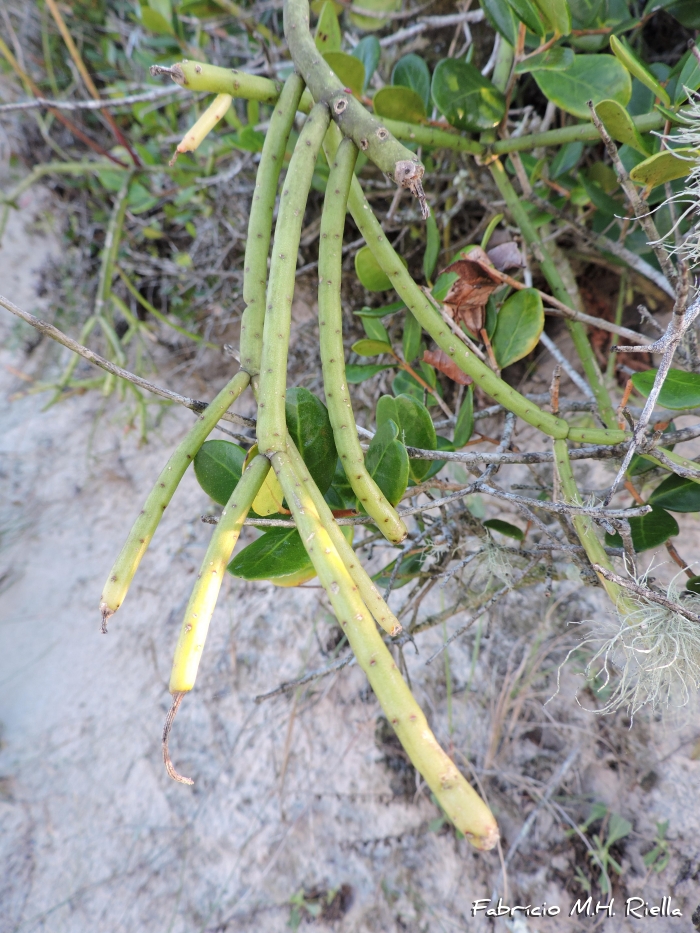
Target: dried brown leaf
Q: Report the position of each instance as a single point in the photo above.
(440, 360)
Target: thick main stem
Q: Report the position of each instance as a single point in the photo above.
(260, 223)
(368, 134)
(202, 601)
(330, 319)
(458, 799)
(272, 425)
(136, 544)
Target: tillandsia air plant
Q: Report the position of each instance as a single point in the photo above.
(309, 480)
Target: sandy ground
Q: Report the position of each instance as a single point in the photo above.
(293, 793)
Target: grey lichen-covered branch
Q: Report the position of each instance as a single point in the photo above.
(368, 134)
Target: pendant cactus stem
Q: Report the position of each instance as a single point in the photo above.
(272, 426)
(260, 222)
(330, 319)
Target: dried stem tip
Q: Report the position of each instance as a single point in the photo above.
(409, 174)
(177, 699)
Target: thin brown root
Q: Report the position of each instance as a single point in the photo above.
(177, 699)
(107, 614)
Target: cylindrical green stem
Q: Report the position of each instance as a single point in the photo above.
(584, 526)
(126, 565)
(198, 76)
(272, 426)
(330, 319)
(200, 607)
(260, 223)
(457, 798)
(368, 134)
(551, 273)
(430, 320)
(369, 593)
(110, 249)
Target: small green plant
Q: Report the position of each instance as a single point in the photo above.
(613, 828)
(658, 857)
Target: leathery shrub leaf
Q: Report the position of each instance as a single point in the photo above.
(387, 462)
(505, 528)
(589, 77)
(218, 466)
(310, 428)
(412, 71)
(415, 426)
(464, 428)
(399, 103)
(467, 99)
(328, 35)
(369, 272)
(279, 556)
(349, 69)
(648, 530)
(518, 327)
(677, 494)
(680, 389)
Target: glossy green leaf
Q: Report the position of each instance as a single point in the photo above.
(528, 14)
(412, 333)
(557, 59)
(467, 99)
(356, 372)
(693, 585)
(557, 14)
(505, 528)
(501, 16)
(374, 328)
(399, 103)
(408, 570)
(687, 12)
(381, 312)
(620, 125)
(310, 429)
(680, 389)
(664, 166)
(518, 327)
(403, 384)
(590, 77)
(349, 69)
(411, 71)
(369, 272)
(677, 495)
(432, 247)
(369, 23)
(328, 35)
(371, 347)
(278, 555)
(218, 466)
(156, 22)
(648, 530)
(341, 489)
(387, 462)
(415, 425)
(689, 77)
(566, 159)
(464, 427)
(443, 284)
(624, 54)
(436, 465)
(368, 51)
